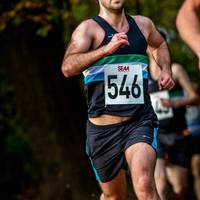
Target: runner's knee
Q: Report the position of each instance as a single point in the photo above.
(144, 187)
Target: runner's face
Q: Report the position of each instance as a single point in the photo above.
(113, 5)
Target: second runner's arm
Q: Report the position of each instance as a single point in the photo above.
(188, 24)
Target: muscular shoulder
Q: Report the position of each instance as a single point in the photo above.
(89, 29)
(142, 21)
(86, 27)
(82, 37)
(145, 24)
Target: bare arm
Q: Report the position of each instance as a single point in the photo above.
(77, 58)
(78, 55)
(160, 53)
(159, 49)
(182, 77)
(188, 24)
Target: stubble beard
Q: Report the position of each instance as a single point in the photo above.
(116, 9)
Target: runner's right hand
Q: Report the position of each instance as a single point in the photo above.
(118, 40)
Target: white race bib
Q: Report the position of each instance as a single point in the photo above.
(123, 84)
(161, 111)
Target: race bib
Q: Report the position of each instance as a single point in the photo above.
(123, 84)
(161, 111)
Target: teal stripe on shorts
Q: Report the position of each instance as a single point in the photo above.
(154, 143)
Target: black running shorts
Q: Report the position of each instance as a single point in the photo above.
(106, 144)
(175, 146)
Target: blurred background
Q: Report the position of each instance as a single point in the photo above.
(43, 114)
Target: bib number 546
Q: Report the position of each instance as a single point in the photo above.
(123, 87)
(135, 90)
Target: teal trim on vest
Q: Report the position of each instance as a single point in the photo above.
(96, 71)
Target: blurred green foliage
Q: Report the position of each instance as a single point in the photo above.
(66, 14)
(18, 168)
(46, 14)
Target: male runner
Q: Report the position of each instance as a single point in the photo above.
(111, 51)
(172, 141)
(170, 107)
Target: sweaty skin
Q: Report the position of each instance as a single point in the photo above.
(82, 52)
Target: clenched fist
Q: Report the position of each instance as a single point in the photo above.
(165, 80)
(118, 40)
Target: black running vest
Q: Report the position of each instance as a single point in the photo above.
(178, 122)
(111, 85)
